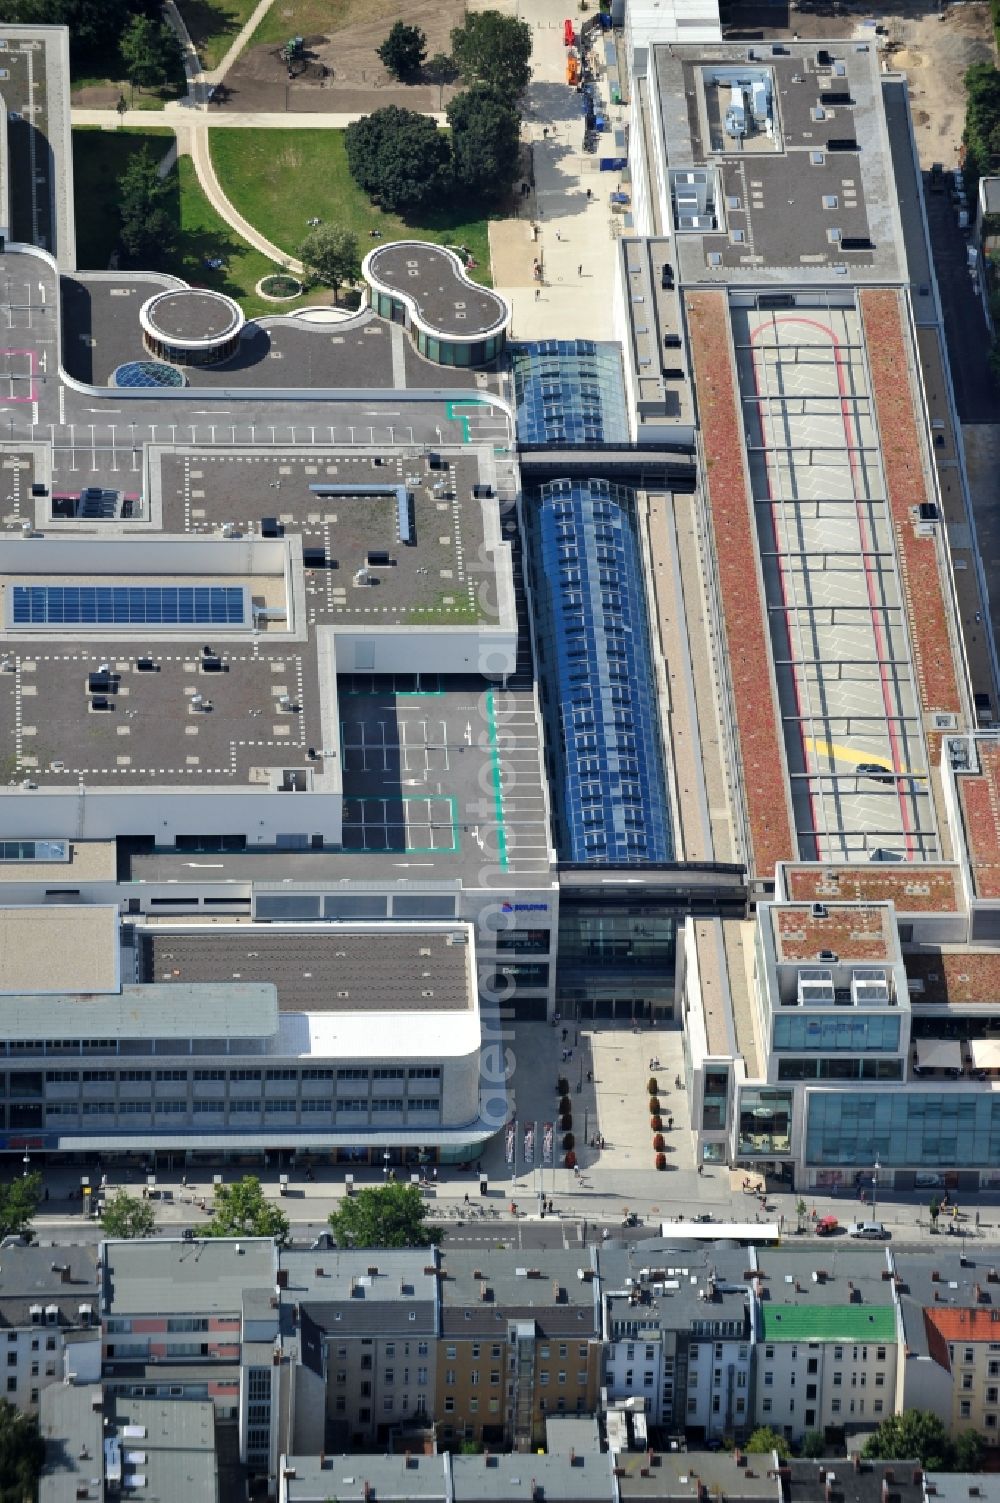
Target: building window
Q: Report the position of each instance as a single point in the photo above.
(449, 1405)
(965, 1409)
(765, 1406)
(768, 1378)
(835, 1406)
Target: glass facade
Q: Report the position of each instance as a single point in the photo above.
(569, 391)
(598, 688)
(903, 1129)
(765, 1121)
(850, 1033)
(615, 960)
(442, 351)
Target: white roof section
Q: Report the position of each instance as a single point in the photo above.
(649, 21)
(985, 1054)
(56, 949)
(238, 1010)
(382, 1035)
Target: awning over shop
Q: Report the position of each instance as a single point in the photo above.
(985, 1054)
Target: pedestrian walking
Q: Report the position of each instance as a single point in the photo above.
(467, 1201)
(590, 194)
(538, 293)
(558, 235)
(579, 270)
(434, 1174)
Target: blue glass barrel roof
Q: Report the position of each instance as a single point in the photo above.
(147, 373)
(569, 391)
(598, 687)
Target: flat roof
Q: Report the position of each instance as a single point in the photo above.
(192, 316)
(913, 888)
(953, 977)
(216, 1011)
(979, 805)
(167, 1447)
(163, 1276)
(330, 968)
(444, 574)
(807, 188)
(827, 1323)
(432, 279)
(850, 931)
(72, 1426)
(59, 949)
(765, 786)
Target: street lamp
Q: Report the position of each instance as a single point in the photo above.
(875, 1185)
(385, 1165)
(27, 1163)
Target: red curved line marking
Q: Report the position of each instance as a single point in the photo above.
(848, 422)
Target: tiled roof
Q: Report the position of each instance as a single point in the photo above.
(902, 459)
(913, 888)
(979, 795)
(982, 1324)
(956, 976)
(760, 749)
(855, 931)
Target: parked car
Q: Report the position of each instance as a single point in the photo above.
(826, 1226)
(871, 1231)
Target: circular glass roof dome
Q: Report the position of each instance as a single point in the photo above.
(147, 373)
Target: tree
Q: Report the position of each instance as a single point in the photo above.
(765, 1440)
(801, 1211)
(400, 158)
(386, 1216)
(814, 1444)
(969, 1451)
(127, 1216)
(242, 1211)
(485, 140)
(440, 69)
(330, 255)
(22, 1454)
(150, 51)
(148, 227)
(18, 1204)
(916, 1435)
(403, 50)
(494, 49)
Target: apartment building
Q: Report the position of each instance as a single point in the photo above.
(519, 1340)
(99, 1446)
(678, 1336)
(949, 1313)
(827, 1340)
(49, 1320)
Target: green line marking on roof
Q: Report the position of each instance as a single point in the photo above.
(497, 791)
(828, 1322)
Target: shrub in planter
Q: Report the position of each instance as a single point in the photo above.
(652, 1087)
(659, 1142)
(562, 1085)
(656, 1123)
(654, 1104)
(661, 1161)
(565, 1105)
(569, 1141)
(570, 1160)
(566, 1121)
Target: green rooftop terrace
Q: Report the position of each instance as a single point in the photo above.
(828, 1323)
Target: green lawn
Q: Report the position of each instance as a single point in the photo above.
(302, 18)
(278, 179)
(214, 25)
(99, 158)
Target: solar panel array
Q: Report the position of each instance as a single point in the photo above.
(595, 652)
(129, 605)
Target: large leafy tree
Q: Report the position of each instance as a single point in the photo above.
(242, 1211)
(765, 1440)
(18, 1203)
(150, 51)
(330, 255)
(494, 49)
(485, 140)
(400, 158)
(149, 229)
(916, 1435)
(22, 1454)
(126, 1215)
(403, 50)
(384, 1216)
(95, 26)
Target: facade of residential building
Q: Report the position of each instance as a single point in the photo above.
(49, 1320)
